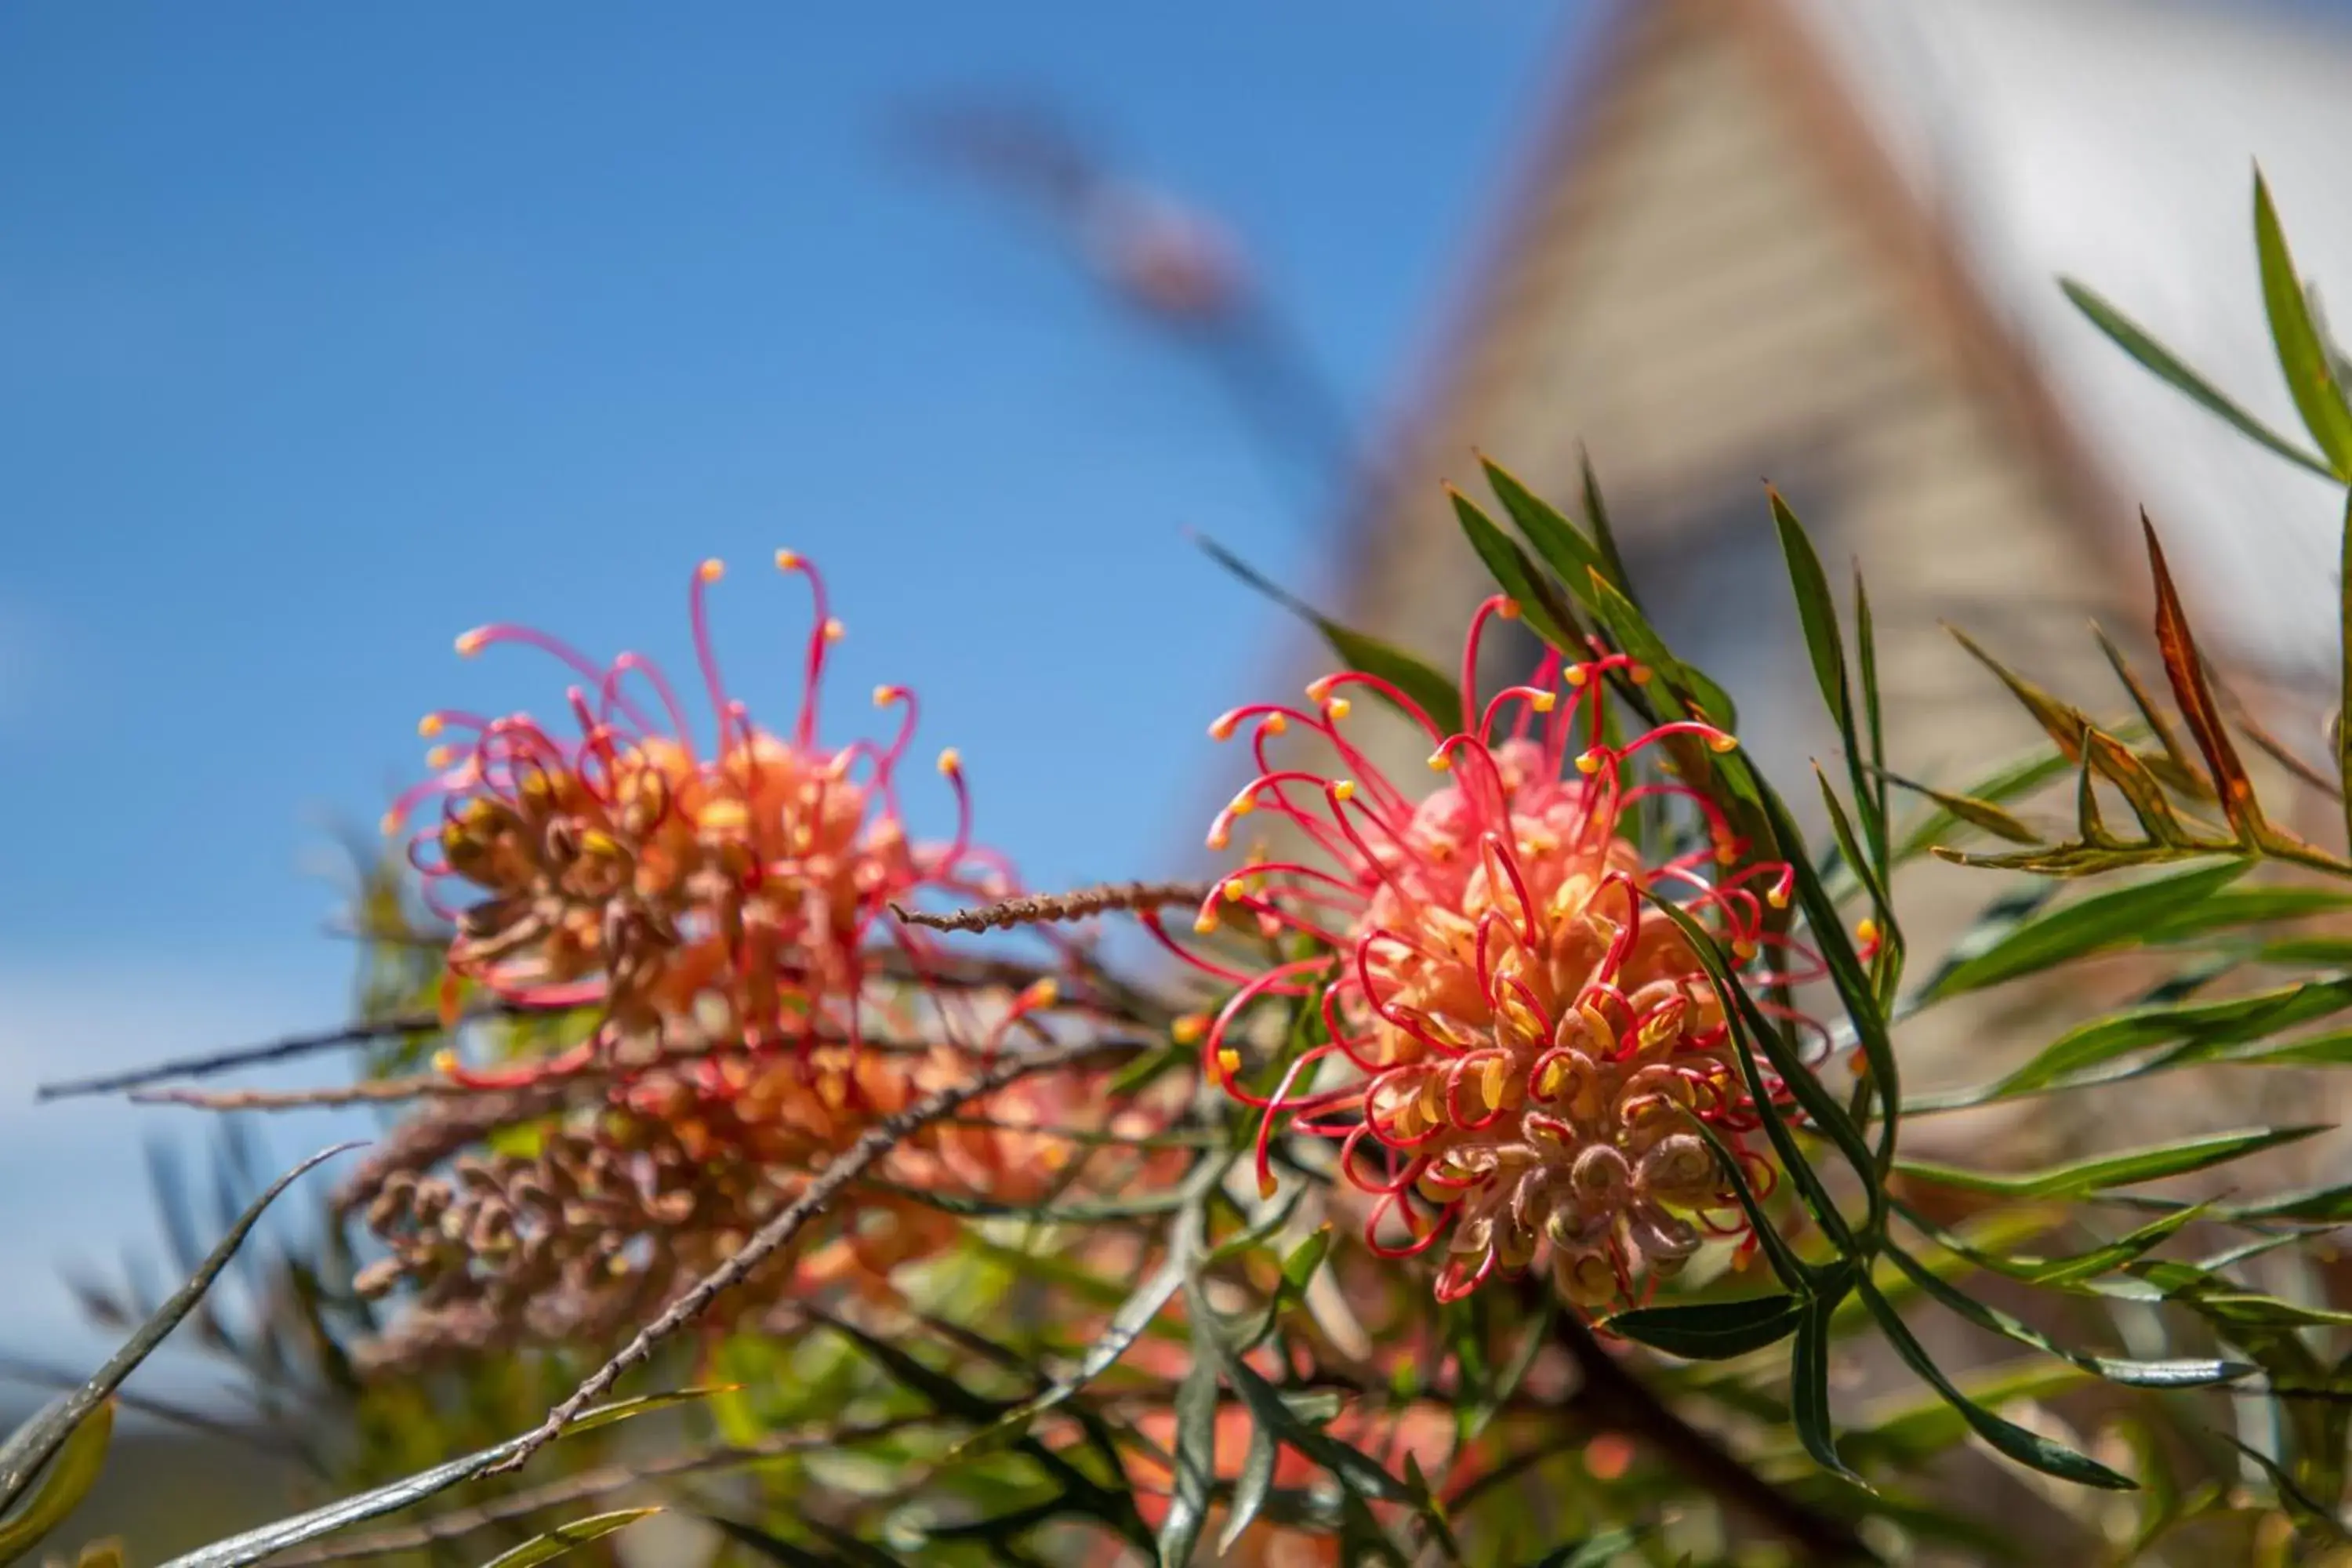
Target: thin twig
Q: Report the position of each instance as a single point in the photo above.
(1055, 908)
(591, 1483)
(287, 1048)
(422, 1086)
(771, 1238)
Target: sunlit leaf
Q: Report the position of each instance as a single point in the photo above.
(269, 1540)
(1430, 697)
(2096, 924)
(1808, 1386)
(2208, 1025)
(1196, 1463)
(2182, 1372)
(1251, 1486)
(61, 1488)
(33, 1445)
(2105, 1171)
(1539, 599)
(2302, 355)
(2136, 343)
(2026, 1448)
(547, 1548)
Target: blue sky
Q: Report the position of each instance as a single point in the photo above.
(329, 331)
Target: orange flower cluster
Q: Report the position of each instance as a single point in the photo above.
(1520, 1044)
(699, 898)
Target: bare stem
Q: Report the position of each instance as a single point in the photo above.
(1055, 908)
(1616, 1398)
(592, 1483)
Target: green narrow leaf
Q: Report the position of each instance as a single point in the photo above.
(2008, 783)
(269, 1540)
(32, 1445)
(1594, 1550)
(1711, 1330)
(1808, 1386)
(1604, 533)
(2186, 1372)
(1917, 1434)
(1752, 1034)
(70, 1474)
(1787, 1267)
(1541, 601)
(2099, 924)
(1560, 543)
(2026, 1448)
(1196, 1462)
(2303, 357)
(1961, 808)
(1431, 696)
(2343, 650)
(2207, 1025)
(2103, 1170)
(2169, 368)
(1251, 1486)
(2308, 1511)
(1858, 995)
(1874, 818)
(547, 1548)
(1817, 614)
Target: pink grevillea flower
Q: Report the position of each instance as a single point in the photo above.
(703, 896)
(1518, 1041)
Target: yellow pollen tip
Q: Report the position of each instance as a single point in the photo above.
(390, 823)
(1242, 806)
(885, 695)
(1867, 933)
(951, 762)
(1725, 854)
(1508, 609)
(1339, 708)
(1543, 702)
(1319, 688)
(1219, 838)
(428, 726)
(1439, 762)
(1190, 1030)
(1344, 791)
(1779, 901)
(445, 1061)
(833, 630)
(1223, 729)
(1229, 1062)
(712, 569)
(1577, 674)
(788, 559)
(1721, 744)
(1743, 949)
(1274, 724)
(1589, 762)
(1267, 1185)
(1235, 888)
(1206, 922)
(1639, 675)
(471, 643)
(440, 757)
(1044, 992)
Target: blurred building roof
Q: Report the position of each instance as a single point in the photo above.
(2114, 141)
